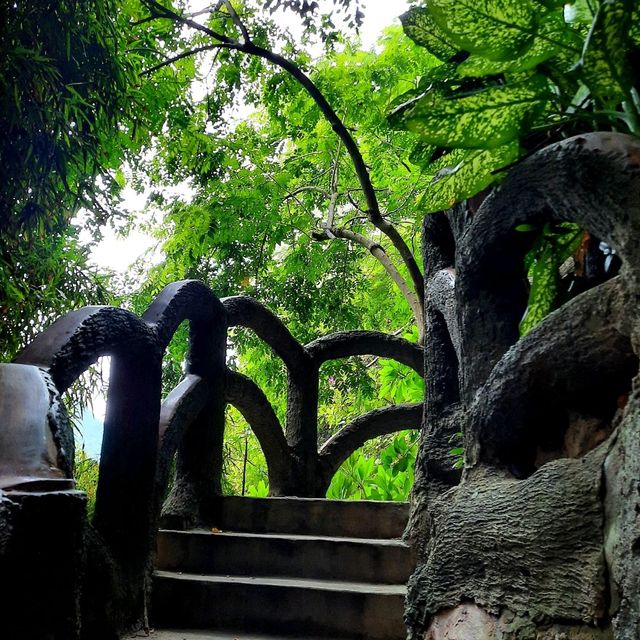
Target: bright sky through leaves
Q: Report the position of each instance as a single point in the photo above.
(117, 253)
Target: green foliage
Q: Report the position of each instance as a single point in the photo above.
(457, 452)
(244, 466)
(73, 108)
(261, 187)
(552, 246)
(497, 30)
(398, 383)
(512, 68)
(605, 64)
(86, 472)
(473, 120)
(383, 474)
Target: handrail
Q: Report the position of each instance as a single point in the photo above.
(142, 434)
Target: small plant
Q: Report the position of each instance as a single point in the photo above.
(458, 451)
(86, 474)
(385, 476)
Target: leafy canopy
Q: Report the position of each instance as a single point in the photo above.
(514, 74)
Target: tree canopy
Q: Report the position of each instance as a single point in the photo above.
(295, 169)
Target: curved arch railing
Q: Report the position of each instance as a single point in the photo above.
(296, 466)
(142, 434)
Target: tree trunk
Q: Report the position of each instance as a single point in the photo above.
(539, 536)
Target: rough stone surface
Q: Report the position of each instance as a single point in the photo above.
(555, 547)
(469, 621)
(540, 540)
(41, 545)
(622, 541)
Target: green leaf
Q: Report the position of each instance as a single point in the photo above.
(605, 65)
(120, 178)
(484, 119)
(420, 26)
(421, 154)
(463, 173)
(544, 288)
(553, 35)
(497, 29)
(634, 31)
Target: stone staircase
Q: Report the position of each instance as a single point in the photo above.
(285, 568)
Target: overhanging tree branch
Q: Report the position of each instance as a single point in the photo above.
(377, 251)
(373, 208)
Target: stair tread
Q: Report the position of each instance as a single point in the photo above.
(299, 583)
(200, 634)
(293, 499)
(384, 542)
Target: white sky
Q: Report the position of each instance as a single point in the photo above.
(117, 253)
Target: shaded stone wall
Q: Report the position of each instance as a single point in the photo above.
(539, 536)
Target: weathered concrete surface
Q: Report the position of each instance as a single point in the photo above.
(470, 622)
(178, 634)
(41, 548)
(622, 535)
(541, 537)
(351, 518)
(280, 605)
(319, 557)
(502, 542)
(297, 581)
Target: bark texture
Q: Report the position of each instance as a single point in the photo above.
(540, 536)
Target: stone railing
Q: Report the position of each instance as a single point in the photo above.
(143, 434)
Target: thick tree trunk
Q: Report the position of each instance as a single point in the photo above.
(539, 537)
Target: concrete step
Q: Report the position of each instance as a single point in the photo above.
(294, 607)
(314, 516)
(190, 634)
(321, 557)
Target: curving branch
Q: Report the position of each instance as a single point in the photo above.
(343, 344)
(377, 251)
(365, 427)
(591, 179)
(579, 360)
(246, 396)
(245, 311)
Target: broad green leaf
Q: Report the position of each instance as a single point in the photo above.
(442, 76)
(420, 26)
(557, 243)
(497, 29)
(421, 155)
(120, 178)
(553, 36)
(544, 287)
(605, 66)
(463, 173)
(484, 119)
